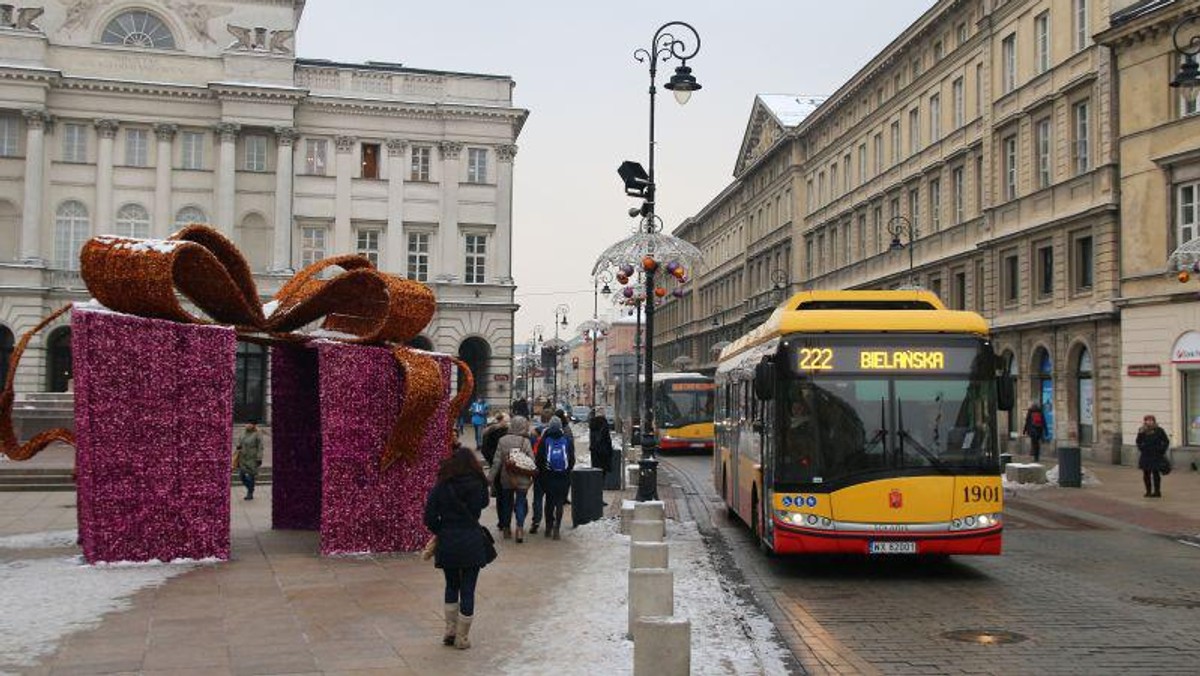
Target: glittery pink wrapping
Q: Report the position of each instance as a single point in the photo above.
(154, 420)
(363, 510)
(295, 438)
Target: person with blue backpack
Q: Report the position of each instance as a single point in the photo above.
(555, 458)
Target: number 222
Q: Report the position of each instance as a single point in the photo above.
(816, 358)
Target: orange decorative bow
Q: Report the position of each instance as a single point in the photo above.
(360, 305)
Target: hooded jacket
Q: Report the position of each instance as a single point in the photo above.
(452, 513)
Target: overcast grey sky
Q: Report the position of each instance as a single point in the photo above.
(589, 109)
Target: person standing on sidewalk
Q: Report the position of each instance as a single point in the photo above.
(452, 514)
(249, 458)
(1152, 444)
(515, 480)
(491, 439)
(555, 460)
(600, 446)
(479, 415)
(1035, 429)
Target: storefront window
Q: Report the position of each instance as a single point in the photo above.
(1044, 392)
(1087, 397)
(1191, 406)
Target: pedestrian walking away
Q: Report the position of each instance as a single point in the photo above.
(452, 514)
(1152, 445)
(555, 460)
(600, 446)
(539, 494)
(515, 468)
(1035, 429)
(249, 458)
(491, 438)
(479, 415)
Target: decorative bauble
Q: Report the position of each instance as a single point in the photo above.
(627, 269)
(622, 278)
(672, 266)
(1184, 276)
(680, 272)
(649, 264)
(627, 292)
(660, 292)
(678, 293)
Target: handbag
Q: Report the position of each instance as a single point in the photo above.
(1164, 465)
(519, 462)
(489, 544)
(430, 548)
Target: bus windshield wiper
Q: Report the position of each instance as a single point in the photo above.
(904, 435)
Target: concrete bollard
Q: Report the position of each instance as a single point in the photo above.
(651, 592)
(662, 646)
(631, 475)
(648, 555)
(647, 531)
(627, 515)
(651, 510)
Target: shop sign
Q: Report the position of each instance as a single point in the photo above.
(1187, 349)
(500, 377)
(1143, 370)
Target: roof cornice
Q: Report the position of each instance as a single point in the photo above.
(237, 90)
(44, 76)
(134, 87)
(1147, 27)
(432, 111)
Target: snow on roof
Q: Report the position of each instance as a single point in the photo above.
(791, 109)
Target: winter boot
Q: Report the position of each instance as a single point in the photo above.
(549, 529)
(533, 528)
(462, 639)
(556, 535)
(507, 533)
(451, 614)
(520, 534)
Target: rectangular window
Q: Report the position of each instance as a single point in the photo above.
(833, 247)
(895, 137)
(916, 69)
(938, 50)
(476, 259)
(1080, 19)
(820, 189)
(1041, 41)
(914, 208)
(820, 253)
(255, 149)
(877, 229)
(316, 156)
(1085, 265)
(960, 109)
(935, 117)
(1041, 139)
(862, 236)
(808, 257)
(962, 34)
(1008, 63)
(10, 136)
(1082, 159)
(958, 294)
(74, 143)
(192, 149)
(978, 89)
(312, 245)
(477, 169)
(935, 285)
(1010, 167)
(418, 256)
(833, 180)
(862, 163)
(1191, 405)
(137, 147)
(368, 244)
(369, 162)
(1045, 270)
(979, 185)
(1011, 280)
(1186, 220)
(420, 163)
(809, 195)
(846, 173)
(959, 197)
(914, 131)
(935, 204)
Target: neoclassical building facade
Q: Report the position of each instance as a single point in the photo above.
(135, 118)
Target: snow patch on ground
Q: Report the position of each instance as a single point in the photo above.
(1089, 479)
(46, 599)
(728, 636)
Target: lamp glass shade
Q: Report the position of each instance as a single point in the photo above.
(682, 96)
(896, 244)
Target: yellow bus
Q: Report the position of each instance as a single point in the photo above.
(863, 422)
(683, 411)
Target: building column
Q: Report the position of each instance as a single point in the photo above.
(35, 177)
(106, 130)
(285, 139)
(227, 177)
(342, 202)
(449, 261)
(503, 252)
(164, 220)
(393, 245)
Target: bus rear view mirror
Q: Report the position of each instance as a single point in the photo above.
(764, 380)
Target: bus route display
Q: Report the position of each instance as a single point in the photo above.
(815, 358)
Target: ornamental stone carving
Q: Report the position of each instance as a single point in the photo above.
(506, 153)
(450, 149)
(107, 128)
(255, 39)
(166, 132)
(396, 147)
(36, 118)
(197, 15)
(345, 144)
(228, 131)
(286, 136)
(23, 21)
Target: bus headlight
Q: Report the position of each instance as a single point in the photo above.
(976, 522)
(806, 520)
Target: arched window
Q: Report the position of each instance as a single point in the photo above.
(250, 395)
(189, 215)
(58, 360)
(1086, 396)
(1043, 380)
(138, 28)
(133, 221)
(71, 230)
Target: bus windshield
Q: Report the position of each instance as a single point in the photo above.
(680, 403)
(837, 429)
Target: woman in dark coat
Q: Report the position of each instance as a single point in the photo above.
(600, 442)
(452, 514)
(1152, 443)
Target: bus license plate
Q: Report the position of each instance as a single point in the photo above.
(892, 547)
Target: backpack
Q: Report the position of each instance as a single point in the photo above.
(556, 454)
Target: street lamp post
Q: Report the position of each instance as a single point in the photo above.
(899, 225)
(1189, 70)
(604, 277)
(560, 317)
(534, 359)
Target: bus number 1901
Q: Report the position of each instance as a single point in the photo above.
(981, 493)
